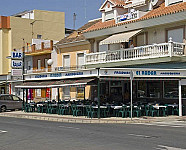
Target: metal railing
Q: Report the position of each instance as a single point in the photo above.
(143, 52)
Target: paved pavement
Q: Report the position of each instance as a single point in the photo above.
(28, 134)
(83, 119)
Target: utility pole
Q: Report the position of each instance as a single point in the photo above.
(74, 20)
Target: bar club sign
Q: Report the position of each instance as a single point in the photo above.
(17, 59)
(16, 63)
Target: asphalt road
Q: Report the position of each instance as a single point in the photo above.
(24, 134)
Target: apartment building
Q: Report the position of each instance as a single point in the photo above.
(18, 30)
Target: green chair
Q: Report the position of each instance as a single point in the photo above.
(153, 111)
(106, 112)
(90, 112)
(175, 111)
(164, 111)
(62, 110)
(75, 110)
(51, 109)
(123, 111)
(137, 111)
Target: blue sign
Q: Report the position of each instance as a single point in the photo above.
(17, 55)
(41, 76)
(146, 73)
(121, 72)
(74, 74)
(17, 63)
(56, 75)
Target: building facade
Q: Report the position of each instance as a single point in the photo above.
(17, 31)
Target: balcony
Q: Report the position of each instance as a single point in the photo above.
(147, 52)
(39, 49)
(54, 69)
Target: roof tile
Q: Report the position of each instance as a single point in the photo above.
(158, 12)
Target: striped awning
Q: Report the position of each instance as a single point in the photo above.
(119, 38)
(55, 84)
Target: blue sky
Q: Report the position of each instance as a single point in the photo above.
(10, 7)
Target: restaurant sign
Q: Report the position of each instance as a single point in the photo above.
(143, 73)
(61, 75)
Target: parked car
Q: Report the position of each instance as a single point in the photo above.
(10, 102)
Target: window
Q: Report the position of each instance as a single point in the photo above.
(46, 64)
(171, 89)
(15, 98)
(80, 60)
(28, 65)
(9, 98)
(176, 35)
(66, 61)
(38, 92)
(149, 89)
(66, 93)
(80, 92)
(39, 36)
(38, 64)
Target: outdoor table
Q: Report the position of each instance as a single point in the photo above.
(159, 106)
(172, 105)
(116, 107)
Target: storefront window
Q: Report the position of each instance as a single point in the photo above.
(80, 93)
(38, 92)
(149, 89)
(183, 91)
(171, 89)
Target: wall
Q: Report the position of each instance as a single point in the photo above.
(158, 34)
(72, 51)
(4, 50)
(42, 58)
(50, 25)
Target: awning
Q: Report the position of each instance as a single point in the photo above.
(119, 38)
(54, 84)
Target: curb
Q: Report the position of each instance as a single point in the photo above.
(71, 120)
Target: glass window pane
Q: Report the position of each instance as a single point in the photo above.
(171, 89)
(15, 98)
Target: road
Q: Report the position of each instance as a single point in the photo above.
(25, 134)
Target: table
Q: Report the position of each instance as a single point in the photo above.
(159, 106)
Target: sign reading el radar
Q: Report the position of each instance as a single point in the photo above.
(16, 55)
(17, 64)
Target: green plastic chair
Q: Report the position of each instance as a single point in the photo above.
(153, 111)
(106, 112)
(137, 111)
(62, 110)
(123, 111)
(75, 110)
(90, 112)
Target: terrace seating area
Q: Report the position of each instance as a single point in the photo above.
(89, 109)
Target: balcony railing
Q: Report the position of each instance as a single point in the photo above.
(55, 69)
(143, 52)
(39, 47)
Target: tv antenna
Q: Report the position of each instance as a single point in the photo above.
(74, 20)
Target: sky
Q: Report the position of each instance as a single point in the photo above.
(10, 7)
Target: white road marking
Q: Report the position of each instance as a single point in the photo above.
(138, 135)
(1, 131)
(69, 127)
(163, 147)
(175, 124)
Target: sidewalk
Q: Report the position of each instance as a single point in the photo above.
(83, 119)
